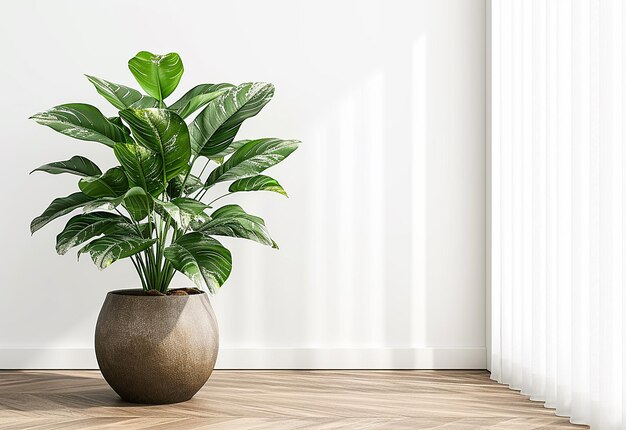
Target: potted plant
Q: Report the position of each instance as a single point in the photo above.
(156, 344)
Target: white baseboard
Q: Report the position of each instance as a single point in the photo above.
(272, 358)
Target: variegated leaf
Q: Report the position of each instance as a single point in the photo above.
(59, 207)
(164, 133)
(106, 250)
(197, 97)
(257, 183)
(113, 183)
(203, 259)
(216, 126)
(138, 203)
(233, 221)
(76, 165)
(251, 159)
(182, 210)
(174, 188)
(82, 121)
(143, 167)
(84, 227)
(219, 157)
(122, 97)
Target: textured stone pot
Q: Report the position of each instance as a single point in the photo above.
(156, 349)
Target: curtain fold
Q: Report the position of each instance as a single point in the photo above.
(557, 205)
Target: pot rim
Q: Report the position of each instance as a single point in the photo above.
(138, 292)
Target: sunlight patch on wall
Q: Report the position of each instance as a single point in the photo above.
(418, 192)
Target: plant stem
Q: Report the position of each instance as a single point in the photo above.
(205, 165)
(182, 188)
(141, 277)
(161, 261)
(224, 195)
(198, 193)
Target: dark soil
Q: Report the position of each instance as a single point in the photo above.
(173, 292)
(181, 292)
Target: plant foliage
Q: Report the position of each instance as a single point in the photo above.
(150, 207)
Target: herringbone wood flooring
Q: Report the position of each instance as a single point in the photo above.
(277, 400)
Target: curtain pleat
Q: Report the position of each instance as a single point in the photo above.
(557, 205)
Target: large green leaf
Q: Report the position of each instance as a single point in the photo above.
(138, 203)
(182, 210)
(197, 97)
(76, 165)
(82, 121)
(216, 126)
(232, 220)
(219, 157)
(143, 167)
(175, 185)
(113, 183)
(203, 259)
(108, 249)
(257, 183)
(252, 158)
(158, 75)
(118, 121)
(106, 203)
(60, 207)
(164, 133)
(84, 227)
(122, 97)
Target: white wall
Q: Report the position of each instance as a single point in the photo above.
(382, 259)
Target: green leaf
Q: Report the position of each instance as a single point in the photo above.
(252, 158)
(146, 230)
(108, 249)
(113, 183)
(76, 165)
(106, 203)
(257, 183)
(120, 96)
(84, 227)
(174, 187)
(118, 121)
(190, 205)
(59, 207)
(82, 121)
(219, 157)
(164, 133)
(216, 126)
(197, 221)
(143, 167)
(138, 203)
(158, 75)
(203, 259)
(233, 221)
(197, 97)
(182, 210)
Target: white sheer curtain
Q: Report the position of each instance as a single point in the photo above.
(557, 208)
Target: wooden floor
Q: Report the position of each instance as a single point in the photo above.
(278, 400)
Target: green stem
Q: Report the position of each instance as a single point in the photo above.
(161, 261)
(182, 188)
(200, 191)
(205, 165)
(143, 282)
(224, 195)
(142, 265)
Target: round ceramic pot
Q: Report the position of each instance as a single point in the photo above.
(156, 349)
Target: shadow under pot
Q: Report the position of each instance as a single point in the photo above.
(156, 349)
